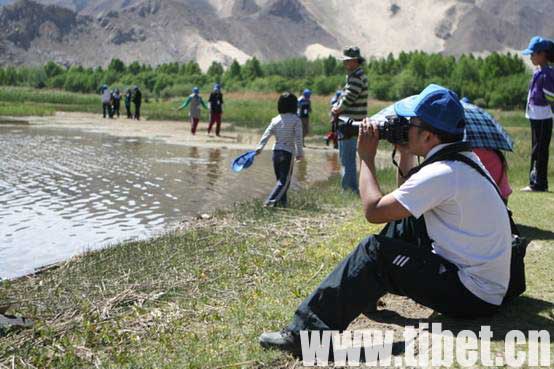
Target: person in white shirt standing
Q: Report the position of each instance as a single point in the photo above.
(460, 263)
(287, 129)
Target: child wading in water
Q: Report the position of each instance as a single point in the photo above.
(287, 129)
(195, 102)
(539, 111)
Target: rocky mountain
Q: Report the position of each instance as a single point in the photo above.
(91, 32)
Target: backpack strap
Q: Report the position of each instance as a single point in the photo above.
(453, 153)
(474, 165)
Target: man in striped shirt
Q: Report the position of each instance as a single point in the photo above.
(353, 104)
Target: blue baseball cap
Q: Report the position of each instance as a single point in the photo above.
(195, 90)
(537, 44)
(307, 92)
(436, 106)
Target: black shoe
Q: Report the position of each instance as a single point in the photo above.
(284, 340)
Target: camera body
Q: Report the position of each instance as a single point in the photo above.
(394, 129)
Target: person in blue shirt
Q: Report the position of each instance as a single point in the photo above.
(303, 111)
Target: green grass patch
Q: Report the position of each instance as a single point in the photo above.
(244, 109)
(200, 297)
(191, 300)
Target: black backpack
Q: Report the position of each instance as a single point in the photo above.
(517, 283)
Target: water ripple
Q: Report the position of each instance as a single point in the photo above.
(63, 192)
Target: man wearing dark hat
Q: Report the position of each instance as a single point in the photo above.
(353, 104)
(458, 265)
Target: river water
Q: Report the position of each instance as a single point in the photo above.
(66, 191)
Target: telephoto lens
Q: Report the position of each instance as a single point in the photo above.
(394, 129)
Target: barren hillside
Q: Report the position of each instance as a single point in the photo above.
(91, 32)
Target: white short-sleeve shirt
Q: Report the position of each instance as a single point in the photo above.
(467, 221)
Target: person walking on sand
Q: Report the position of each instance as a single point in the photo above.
(106, 101)
(287, 129)
(116, 96)
(215, 102)
(128, 97)
(539, 111)
(195, 101)
(137, 100)
(304, 110)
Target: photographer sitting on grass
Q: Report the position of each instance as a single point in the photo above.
(459, 262)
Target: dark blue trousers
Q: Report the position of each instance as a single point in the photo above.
(541, 132)
(283, 165)
(402, 264)
(107, 110)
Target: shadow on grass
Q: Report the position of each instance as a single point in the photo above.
(524, 314)
(534, 233)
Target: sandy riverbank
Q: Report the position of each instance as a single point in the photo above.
(171, 132)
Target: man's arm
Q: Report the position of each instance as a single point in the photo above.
(377, 208)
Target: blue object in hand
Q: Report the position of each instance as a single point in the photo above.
(243, 161)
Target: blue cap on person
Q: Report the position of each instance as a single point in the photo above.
(217, 87)
(307, 92)
(195, 90)
(338, 93)
(436, 106)
(537, 44)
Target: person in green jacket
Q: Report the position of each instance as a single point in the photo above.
(195, 101)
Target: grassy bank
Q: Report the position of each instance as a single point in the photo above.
(192, 299)
(245, 109)
(199, 297)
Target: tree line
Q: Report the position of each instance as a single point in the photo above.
(497, 80)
